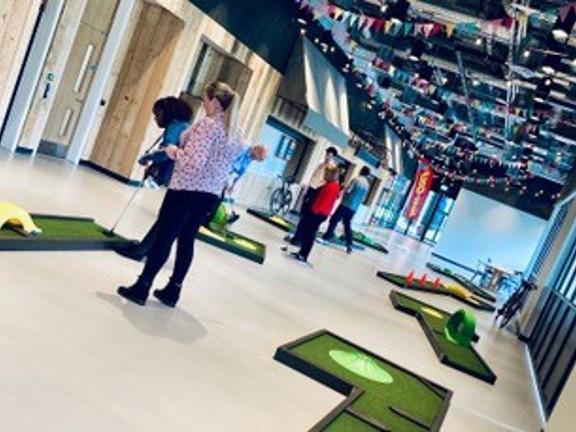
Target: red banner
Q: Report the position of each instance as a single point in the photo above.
(420, 191)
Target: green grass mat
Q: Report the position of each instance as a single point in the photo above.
(472, 300)
(408, 403)
(60, 233)
(433, 321)
(367, 241)
(275, 220)
(470, 286)
(234, 243)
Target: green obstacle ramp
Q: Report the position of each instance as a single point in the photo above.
(470, 286)
(380, 395)
(434, 322)
(367, 241)
(234, 243)
(275, 220)
(60, 233)
(455, 291)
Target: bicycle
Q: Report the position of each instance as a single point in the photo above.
(515, 303)
(281, 198)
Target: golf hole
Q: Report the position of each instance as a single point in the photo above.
(361, 365)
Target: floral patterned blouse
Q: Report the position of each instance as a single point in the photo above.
(205, 157)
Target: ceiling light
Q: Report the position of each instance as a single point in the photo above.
(302, 21)
(478, 41)
(383, 8)
(526, 53)
(417, 50)
(543, 90)
(303, 31)
(475, 82)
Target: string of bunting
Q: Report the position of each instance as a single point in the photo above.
(320, 8)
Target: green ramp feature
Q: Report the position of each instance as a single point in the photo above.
(434, 322)
(234, 243)
(457, 292)
(275, 220)
(60, 233)
(381, 395)
(367, 241)
(470, 286)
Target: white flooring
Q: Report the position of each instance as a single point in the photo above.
(75, 357)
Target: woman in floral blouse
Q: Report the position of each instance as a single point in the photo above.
(203, 161)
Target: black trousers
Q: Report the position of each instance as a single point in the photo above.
(344, 214)
(310, 225)
(181, 215)
(307, 203)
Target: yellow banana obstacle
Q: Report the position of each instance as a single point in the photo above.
(17, 217)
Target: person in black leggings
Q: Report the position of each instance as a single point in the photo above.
(203, 162)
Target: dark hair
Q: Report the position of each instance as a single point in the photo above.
(365, 171)
(173, 109)
(332, 150)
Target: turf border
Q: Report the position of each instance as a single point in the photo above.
(463, 281)
(32, 243)
(236, 250)
(265, 216)
(432, 337)
(285, 356)
(483, 306)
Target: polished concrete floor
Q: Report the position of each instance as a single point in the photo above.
(75, 357)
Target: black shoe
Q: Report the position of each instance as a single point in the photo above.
(137, 293)
(170, 295)
(348, 249)
(131, 252)
(233, 218)
(298, 257)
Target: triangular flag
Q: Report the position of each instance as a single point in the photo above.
(378, 24)
(353, 19)
(450, 29)
(370, 22)
(564, 12)
(408, 28)
(361, 21)
(303, 4)
(338, 13)
(387, 26)
(428, 29)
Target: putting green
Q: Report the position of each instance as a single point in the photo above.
(364, 240)
(61, 233)
(234, 243)
(448, 349)
(480, 292)
(381, 394)
(362, 365)
(457, 292)
(275, 220)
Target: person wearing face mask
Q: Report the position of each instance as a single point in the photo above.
(202, 165)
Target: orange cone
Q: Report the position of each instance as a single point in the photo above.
(423, 280)
(409, 278)
(437, 283)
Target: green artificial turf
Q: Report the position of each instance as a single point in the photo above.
(400, 281)
(235, 243)
(277, 221)
(54, 228)
(407, 392)
(463, 281)
(346, 422)
(458, 356)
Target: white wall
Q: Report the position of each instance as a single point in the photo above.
(481, 228)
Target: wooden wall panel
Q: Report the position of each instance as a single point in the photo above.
(17, 19)
(140, 83)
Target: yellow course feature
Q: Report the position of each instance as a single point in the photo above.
(16, 216)
(458, 290)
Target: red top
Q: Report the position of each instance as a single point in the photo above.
(327, 197)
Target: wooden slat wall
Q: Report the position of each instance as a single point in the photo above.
(17, 19)
(140, 83)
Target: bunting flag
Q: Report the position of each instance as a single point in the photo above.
(387, 26)
(564, 12)
(378, 25)
(408, 28)
(450, 29)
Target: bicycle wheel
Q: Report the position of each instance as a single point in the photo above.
(277, 201)
(287, 202)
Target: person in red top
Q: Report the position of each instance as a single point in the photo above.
(319, 212)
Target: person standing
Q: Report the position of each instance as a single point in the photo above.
(319, 212)
(354, 196)
(203, 162)
(316, 182)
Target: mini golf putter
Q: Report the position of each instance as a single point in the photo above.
(17, 217)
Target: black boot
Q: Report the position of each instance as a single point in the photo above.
(137, 293)
(170, 294)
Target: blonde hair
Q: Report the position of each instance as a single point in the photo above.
(230, 102)
(331, 173)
